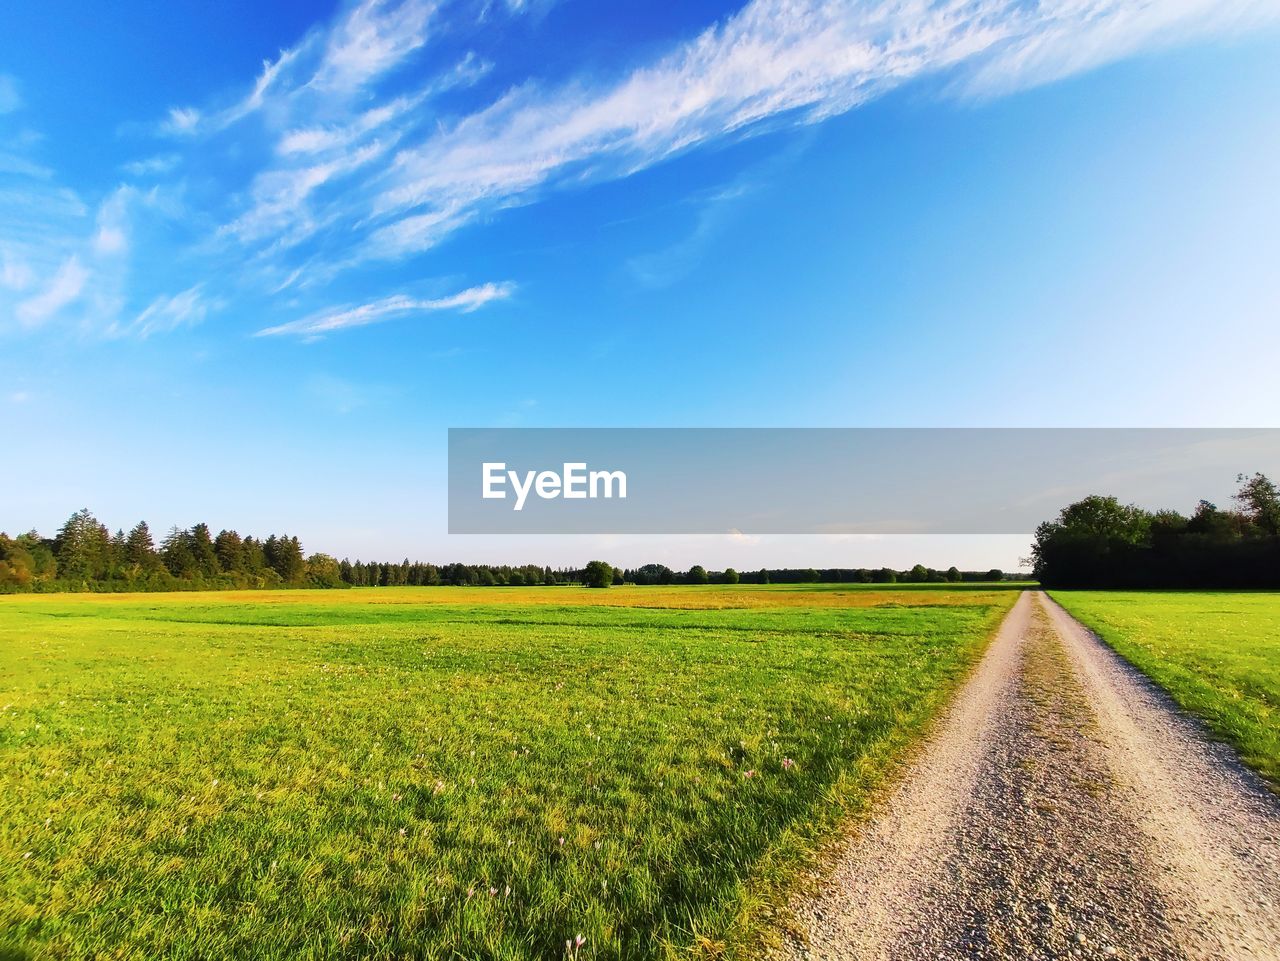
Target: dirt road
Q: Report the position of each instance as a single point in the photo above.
(1064, 808)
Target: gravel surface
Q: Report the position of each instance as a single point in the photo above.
(1063, 808)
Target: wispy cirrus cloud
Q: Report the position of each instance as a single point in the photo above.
(328, 67)
(341, 318)
(42, 223)
(51, 245)
(182, 122)
(330, 120)
(368, 141)
(1067, 37)
(10, 98)
(775, 62)
(166, 313)
(661, 268)
(63, 259)
(154, 166)
(15, 274)
(63, 289)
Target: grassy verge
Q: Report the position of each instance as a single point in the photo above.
(439, 773)
(1216, 653)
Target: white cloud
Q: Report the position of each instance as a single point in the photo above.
(316, 101)
(1070, 36)
(62, 290)
(311, 140)
(327, 67)
(357, 163)
(271, 70)
(664, 267)
(792, 61)
(110, 239)
(371, 40)
(11, 163)
(111, 236)
(43, 228)
(54, 253)
(15, 274)
(170, 312)
(362, 315)
(281, 209)
(181, 121)
(153, 166)
(10, 98)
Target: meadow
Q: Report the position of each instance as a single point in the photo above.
(1217, 654)
(448, 772)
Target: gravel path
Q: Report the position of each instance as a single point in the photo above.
(1064, 808)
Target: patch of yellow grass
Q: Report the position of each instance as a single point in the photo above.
(675, 597)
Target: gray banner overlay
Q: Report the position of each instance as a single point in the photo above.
(830, 480)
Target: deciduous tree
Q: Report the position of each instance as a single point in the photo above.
(597, 574)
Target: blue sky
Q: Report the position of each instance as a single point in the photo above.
(255, 262)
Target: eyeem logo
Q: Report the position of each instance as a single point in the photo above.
(575, 483)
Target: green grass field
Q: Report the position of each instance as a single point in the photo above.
(444, 772)
(1217, 654)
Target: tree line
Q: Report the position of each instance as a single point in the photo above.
(1095, 542)
(1099, 542)
(85, 556)
(661, 574)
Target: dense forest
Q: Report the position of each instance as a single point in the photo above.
(1099, 542)
(85, 556)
